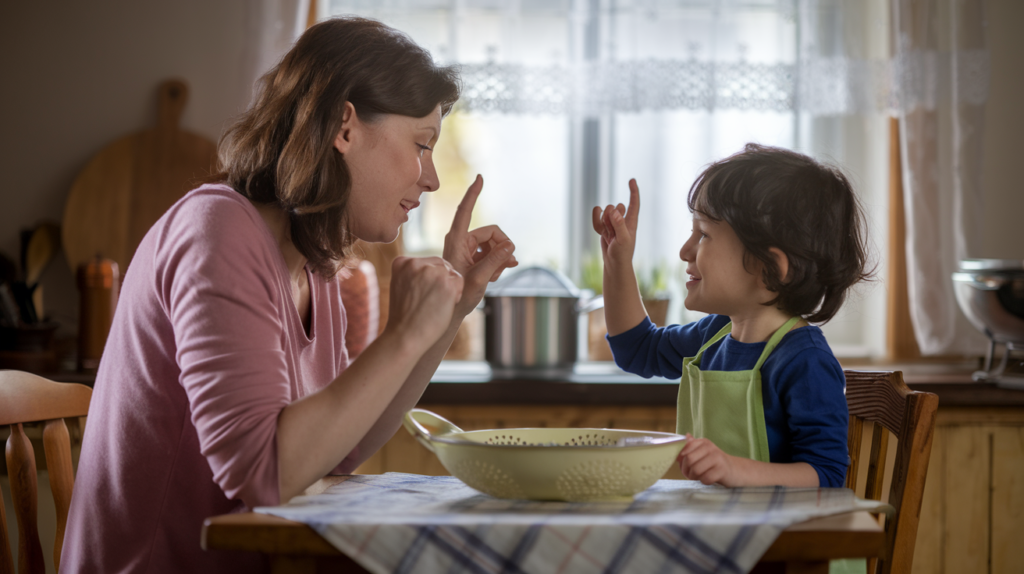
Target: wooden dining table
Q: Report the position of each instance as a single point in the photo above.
(293, 547)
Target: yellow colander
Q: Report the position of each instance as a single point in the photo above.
(573, 464)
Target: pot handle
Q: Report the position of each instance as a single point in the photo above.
(424, 425)
(591, 305)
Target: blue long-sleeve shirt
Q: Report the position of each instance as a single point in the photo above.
(802, 384)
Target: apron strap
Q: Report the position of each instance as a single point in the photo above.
(775, 341)
(718, 336)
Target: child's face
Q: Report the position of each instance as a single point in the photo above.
(718, 282)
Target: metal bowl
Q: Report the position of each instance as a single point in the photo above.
(991, 294)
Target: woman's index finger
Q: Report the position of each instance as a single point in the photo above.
(464, 213)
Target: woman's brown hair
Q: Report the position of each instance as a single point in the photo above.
(773, 197)
(281, 150)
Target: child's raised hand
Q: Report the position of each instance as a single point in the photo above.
(617, 226)
(701, 460)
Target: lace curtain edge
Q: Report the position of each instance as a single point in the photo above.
(819, 86)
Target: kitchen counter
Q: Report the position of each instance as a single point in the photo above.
(472, 382)
(600, 383)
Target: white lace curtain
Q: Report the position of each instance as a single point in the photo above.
(531, 56)
(805, 58)
(943, 84)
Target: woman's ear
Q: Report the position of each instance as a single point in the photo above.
(782, 262)
(349, 120)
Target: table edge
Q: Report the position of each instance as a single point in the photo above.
(255, 532)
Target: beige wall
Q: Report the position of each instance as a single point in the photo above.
(1004, 133)
(75, 76)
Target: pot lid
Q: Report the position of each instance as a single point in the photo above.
(991, 265)
(534, 282)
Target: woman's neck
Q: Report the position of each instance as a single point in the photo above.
(277, 220)
(758, 325)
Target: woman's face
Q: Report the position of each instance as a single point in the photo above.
(390, 160)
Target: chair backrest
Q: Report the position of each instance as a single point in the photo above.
(884, 401)
(26, 398)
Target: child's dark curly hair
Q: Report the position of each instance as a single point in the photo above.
(773, 197)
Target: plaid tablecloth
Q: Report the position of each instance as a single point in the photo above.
(412, 523)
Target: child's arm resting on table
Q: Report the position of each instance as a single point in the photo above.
(623, 308)
(701, 460)
(810, 388)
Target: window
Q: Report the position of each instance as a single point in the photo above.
(564, 101)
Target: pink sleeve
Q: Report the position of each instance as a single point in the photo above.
(218, 282)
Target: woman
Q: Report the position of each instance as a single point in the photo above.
(225, 383)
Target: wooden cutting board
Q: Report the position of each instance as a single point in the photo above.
(130, 183)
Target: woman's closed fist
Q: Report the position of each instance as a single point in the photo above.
(424, 291)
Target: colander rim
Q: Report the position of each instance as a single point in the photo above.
(663, 438)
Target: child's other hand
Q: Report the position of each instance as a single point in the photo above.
(701, 460)
(617, 227)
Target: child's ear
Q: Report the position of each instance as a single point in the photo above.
(782, 262)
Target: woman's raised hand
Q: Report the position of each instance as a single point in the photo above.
(424, 291)
(479, 255)
(617, 227)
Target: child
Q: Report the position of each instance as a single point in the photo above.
(777, 241)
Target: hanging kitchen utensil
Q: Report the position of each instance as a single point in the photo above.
(8, 269)
(9, 312)
(43, 244)
(23, 298)
(130, 183)
(573, 464)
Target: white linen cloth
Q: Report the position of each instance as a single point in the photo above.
(399, 522)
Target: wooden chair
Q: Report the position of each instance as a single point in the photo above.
(26, 398)
(882, 400)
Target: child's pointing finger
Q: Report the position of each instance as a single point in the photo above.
(634, 203)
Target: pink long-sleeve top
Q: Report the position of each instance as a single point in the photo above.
(205, 351)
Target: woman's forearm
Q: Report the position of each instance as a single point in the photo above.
(316, 432)
(407, 397)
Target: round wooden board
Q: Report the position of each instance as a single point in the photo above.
(130, 183)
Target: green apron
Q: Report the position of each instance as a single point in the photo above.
(726, 407)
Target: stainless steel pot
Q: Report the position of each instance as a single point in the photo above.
(990, 292)
(531, 324)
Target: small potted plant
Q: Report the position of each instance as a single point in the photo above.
(653, 283)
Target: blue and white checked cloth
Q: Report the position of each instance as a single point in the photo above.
(412, 523)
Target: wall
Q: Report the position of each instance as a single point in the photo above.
(1004, 132)
(78, 75)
